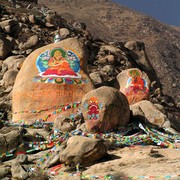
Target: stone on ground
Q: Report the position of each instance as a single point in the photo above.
(17, 171)
(63, 124)
(82, 150)
(105, 108)
(13, 62)
(64, 32)
(4, 171)
(10, 26)
(22, 158)
(151, 113)
(9, 140)
(31, 42)
(9, 78)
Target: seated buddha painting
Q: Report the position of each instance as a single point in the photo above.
(136, 84)
(58, 62)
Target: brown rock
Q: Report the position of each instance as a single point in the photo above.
(22, 158)
(10, 26)
(134, 84)
(9, 78)
(32, 19)
(3, 144)
(5, 47)
(9, 141)
(17, 171)
(111, 59)
(151, 113)
(32, 41)
(102, 60)
(108, 70)
(51, 76)
(96, 78)
(137, 111)
(49, 25)
(87, 151)
(13, 62)
(4, 171)
(49, 17)
(63, 124)
(12, 139)
(64, 32)
(105, 108)
(112, 49)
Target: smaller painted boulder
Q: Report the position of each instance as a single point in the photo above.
(134, 84)
(104, 109)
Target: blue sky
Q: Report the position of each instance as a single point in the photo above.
(166, 11)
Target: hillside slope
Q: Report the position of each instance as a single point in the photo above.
(113, 22)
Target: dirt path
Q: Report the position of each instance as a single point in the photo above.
(140, 161)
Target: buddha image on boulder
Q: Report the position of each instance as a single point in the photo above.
(136, 84)
(93, 108)
(58, 63)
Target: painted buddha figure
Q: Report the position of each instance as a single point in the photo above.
(93, 109)
(136, 84)
(58, 64)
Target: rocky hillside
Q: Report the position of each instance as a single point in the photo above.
(25, 27)
(113, 22)
(90, 143)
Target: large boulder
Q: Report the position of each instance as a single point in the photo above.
(149, 111)
(51, 77)
(134, 84)
(82, 150)
(105, 108)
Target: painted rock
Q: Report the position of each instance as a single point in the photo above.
(104, 109)
(134, 84)
(52, 79)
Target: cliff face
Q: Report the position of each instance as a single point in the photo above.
(113, 22)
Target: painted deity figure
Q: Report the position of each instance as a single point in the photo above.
(93, 109)
(58, 65)
(136, 84)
